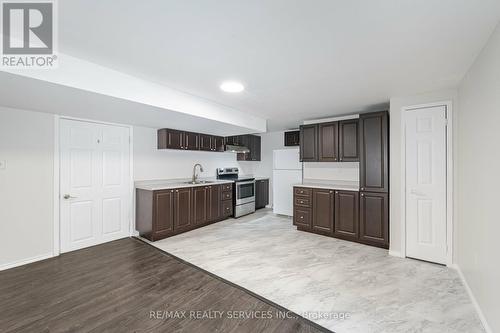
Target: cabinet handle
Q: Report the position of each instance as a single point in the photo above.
(302, 217)
(336, 192)
(362, 195)
(171, 191)
(176, 190)
(331, 191)
(363, 188)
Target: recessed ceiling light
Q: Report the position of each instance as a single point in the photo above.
(232, 87)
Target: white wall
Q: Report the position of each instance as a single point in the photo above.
(478, 180)
(264, 168)
(26, 185)
(151, 163)
(396, 129)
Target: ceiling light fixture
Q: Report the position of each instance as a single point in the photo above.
(232, 87)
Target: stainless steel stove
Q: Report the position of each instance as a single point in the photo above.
(243, 191)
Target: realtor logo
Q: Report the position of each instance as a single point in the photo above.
(28, 32)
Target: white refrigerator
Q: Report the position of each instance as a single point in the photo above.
(287, 171)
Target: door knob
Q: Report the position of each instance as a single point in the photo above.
(67, 197)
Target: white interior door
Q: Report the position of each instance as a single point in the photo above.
(426, 184)
(95, 183)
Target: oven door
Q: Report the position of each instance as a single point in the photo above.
(245, 192)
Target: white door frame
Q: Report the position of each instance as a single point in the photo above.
(57, 167)
(449, 176)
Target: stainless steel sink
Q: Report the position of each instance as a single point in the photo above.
(199, 182)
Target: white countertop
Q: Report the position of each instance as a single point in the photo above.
(341, 186)
(167, 184)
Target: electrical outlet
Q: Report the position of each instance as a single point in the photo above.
(3, 165)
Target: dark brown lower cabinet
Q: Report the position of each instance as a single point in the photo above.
(356, 216)
(214, 202)
(164, 213)
(323, 206)
(374, 219)
(346, 214)
(200, 205)
(261, 193)
(226, 208)
(183, 200)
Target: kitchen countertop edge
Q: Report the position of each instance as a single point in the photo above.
(329, 187)
(173, 185)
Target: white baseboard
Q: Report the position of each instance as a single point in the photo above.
(487, 327)
(395, 254)
(26, 261)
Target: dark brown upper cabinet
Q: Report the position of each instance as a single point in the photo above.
(292, 138)
(323, 206)
(261, 193)
(346, 214)
(349, 140)
(191, 141)
(175, 139)
(218, 143)
(170, 139)
(374, 152)
(328, 144)
(309, 143)
(252, 142)
(206, 142)
(374, 219)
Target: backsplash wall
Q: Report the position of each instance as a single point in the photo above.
(332, 171)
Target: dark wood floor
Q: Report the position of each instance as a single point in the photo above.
(116, 286)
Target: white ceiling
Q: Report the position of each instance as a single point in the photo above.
(30, 94)
(298, 59)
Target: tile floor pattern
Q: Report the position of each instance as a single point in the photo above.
(309, 273)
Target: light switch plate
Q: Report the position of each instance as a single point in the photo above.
(3, 165)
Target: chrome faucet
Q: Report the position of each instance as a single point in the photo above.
(195, 176)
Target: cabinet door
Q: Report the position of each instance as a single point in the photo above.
(374, 219)
(374, 152)
(349, 140)
(302, 218)
(323, 206)
(175, 139)
(191, 141)
(200, 205)
(227, 208)
(328, 142)
(308, 143)
(214, 206)
(205, 142)
(218, 143)
(256, 147)
(163, 224)
(261, 193)
(183, 201)
(292, 138)
(346, 214)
